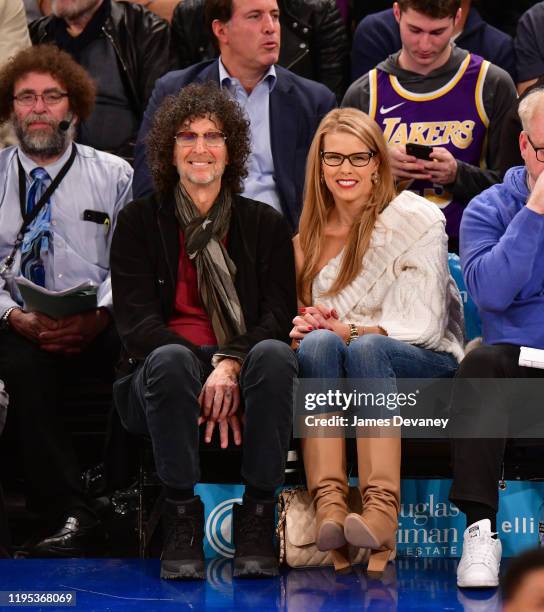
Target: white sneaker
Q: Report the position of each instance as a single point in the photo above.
(480, 562)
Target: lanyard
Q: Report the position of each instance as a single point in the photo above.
(28, 218)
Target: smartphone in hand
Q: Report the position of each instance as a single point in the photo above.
(418, 150)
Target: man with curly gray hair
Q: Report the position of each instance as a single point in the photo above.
(204, 291)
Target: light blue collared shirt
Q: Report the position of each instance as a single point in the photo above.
(260, 183)
(79, 250)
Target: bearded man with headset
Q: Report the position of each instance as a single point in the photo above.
(59, 202)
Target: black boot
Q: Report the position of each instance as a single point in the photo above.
(254, 524)
(183, 530)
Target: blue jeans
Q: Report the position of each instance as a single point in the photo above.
(322, 354)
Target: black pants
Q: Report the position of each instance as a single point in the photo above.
(160, 400)
(477, 462)
(35, 380)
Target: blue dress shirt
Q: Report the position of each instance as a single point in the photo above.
(78, 249)
(260, 183)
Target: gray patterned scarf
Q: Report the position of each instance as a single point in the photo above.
(215, 269)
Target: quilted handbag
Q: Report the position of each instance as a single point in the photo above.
(296, 532)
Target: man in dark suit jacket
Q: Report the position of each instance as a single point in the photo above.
(284, 109)
(314, 44)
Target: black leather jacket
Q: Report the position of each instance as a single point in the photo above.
(314, 40)
(142, 44)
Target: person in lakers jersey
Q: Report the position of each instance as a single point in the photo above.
(435, 94)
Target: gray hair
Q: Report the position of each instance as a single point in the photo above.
(529, 105)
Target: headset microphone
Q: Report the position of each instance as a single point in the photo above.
(65, 124)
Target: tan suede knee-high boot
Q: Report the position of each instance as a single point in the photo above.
(378, 460)
(325, 466)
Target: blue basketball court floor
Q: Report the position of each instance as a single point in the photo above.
(132, 584)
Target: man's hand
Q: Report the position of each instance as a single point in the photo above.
(536, 199)
(407, 166)
(443, 166)
(31, 324)
(220, 395)
(74, 333)
(233, 422)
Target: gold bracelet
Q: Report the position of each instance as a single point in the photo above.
(353, 333)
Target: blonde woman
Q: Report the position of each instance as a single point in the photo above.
(377, 302)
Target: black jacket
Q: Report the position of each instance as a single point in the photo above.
(144, 264)
(314, 40)
(142, 44)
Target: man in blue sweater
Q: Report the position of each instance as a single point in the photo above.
(502, 248)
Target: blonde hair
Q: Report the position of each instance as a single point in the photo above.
(318, 201)
(528, 106)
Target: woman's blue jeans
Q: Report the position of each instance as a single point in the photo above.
(322, 354)
(380, 360)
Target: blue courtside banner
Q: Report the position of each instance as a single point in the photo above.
(429, 524)
(218, 500)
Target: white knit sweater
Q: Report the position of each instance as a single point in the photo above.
(405, 285)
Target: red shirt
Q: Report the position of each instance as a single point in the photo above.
(190, 319)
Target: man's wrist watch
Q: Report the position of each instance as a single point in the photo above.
(353, 333)
(4, 319)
